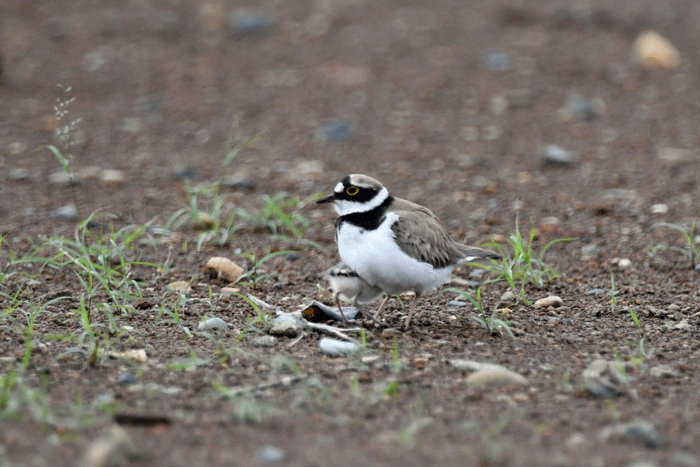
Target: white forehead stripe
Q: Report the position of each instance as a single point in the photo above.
(339, 187)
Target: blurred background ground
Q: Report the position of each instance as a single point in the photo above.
(480, 110)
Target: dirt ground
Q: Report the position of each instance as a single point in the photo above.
(450, 104)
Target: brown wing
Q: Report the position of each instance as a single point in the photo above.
(428, 242)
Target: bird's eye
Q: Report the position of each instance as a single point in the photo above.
(352, 190)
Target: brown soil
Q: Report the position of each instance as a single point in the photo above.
(161, 104)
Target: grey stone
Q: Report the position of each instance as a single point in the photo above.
(509, 297)
(498, 61)
(457, 303)
(19, 174)
(590, 251)
(640, 431)
(67, 213)
(286, 325)
(270, 454)
(127, 379)
(335, 347)
(264, 341)
(663, 371)
(495, 375)
(336, 130)
(213, 324)
(556, 156)
(595, 292)
(579, 107)
(61, 177)
(252, 22)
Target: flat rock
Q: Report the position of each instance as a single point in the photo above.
(640, 431)
(286, 325)
(336, 348)
(213, 324)
(495, 375)
(264, 341)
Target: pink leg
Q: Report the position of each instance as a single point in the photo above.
(381, 308)
(410, 312)
(340, 309)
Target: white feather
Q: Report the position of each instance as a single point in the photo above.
(376, 257)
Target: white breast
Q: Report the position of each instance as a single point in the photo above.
(376, 257)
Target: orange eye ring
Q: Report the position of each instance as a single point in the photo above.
(352, 190)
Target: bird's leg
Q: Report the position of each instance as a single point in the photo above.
(367, 314)
(381, 308)
(340, 309)
(410, 312)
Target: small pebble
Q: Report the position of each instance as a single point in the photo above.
(179, 286)
(286, 325)
(457, 303)
(270, 454)
(203, 222)
(663, 371)
(19, 174)
(67, 213)
(595, 292)
(652, 50)
(498, 62)
(127, 379)
(223, 268)
(239, 183)
(213, 324)
(495, 375)
(337, 130)
(264, 341)
(624, 263)
(659, 208)
(251, 22)
(676, 156)
(589, 252)
(508, 297)
(579, 107)
(640, 431)
(112, 177)
(335, 347)
(556, 156)
(551, 301)
(62, 178)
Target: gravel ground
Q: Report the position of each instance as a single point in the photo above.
(492, 114)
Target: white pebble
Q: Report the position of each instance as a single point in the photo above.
(659, 208)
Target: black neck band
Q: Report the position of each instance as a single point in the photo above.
(368, 220)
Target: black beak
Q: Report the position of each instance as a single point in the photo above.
(328, 199)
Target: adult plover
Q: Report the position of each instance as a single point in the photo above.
(344, 282)
(394, 244)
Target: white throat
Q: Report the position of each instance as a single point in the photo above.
(345, 207)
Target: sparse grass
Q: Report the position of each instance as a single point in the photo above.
(64, 134)
(524, 266)
(691, 248)
(254, 275)
(494, 324)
